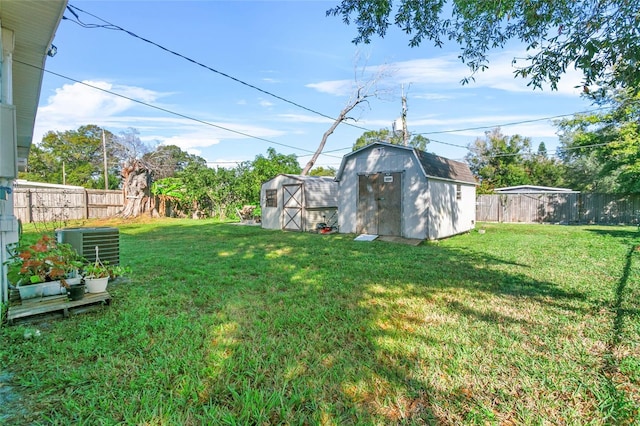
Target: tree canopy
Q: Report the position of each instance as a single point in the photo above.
(203, 191)
(600, 38)
(603, 149)
(386, 135)
(499, 160)
(74, 157)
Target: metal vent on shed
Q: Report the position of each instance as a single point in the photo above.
(85, 240)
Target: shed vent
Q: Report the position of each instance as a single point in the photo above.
(85, 240)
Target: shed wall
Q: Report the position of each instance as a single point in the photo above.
(319, 202)
(447, 215)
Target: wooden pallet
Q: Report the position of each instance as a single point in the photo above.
(43, 305)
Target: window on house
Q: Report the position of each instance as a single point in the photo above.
(272, 198)
(458, 192)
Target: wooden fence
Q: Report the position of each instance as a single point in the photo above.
(46, 205)
(559, 208)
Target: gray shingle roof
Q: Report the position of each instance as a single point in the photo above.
(432, 165)
(439, 167)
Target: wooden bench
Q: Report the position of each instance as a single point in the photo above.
(43, 305)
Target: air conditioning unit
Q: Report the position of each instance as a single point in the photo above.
(85, 240)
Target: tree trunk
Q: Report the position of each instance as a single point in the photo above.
(136, 185)
(362, 93)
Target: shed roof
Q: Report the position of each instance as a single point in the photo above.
(433, 166)
(22, 183)
(531, 189)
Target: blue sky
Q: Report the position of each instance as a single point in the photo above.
(290, 49)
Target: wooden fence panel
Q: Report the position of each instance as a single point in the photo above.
(559, 208)
(46, 205)
(101, 204)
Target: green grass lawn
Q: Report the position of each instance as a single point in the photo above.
(227, 324)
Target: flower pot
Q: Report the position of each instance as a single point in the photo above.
(96, 285)
(31, 291)
(76, 292)
(50, 288)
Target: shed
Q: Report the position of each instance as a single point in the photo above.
(401, 191)
(298, 203)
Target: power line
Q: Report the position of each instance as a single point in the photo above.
(169, 111)
(111, 26)
(514, 123)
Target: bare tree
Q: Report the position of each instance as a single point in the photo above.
(360, 96)
(136, 176)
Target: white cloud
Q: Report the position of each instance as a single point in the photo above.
(223, 163)
(447, 72)
(77, 104)
(191, 141)
(302, 118)
(334, 87)
(266, 104)
(434, 96)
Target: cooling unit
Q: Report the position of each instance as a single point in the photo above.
(85, 240)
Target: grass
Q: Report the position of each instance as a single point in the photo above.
(226, 324)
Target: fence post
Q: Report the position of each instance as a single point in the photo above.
(30, 206)
(86, 204)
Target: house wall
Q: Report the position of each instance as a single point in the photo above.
(8, 157)
(447, 215)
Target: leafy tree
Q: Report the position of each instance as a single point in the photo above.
(321, 171)
(202, 191)
(252, 174)
(499, 160)
(600, 38)
(604, 148)
(385, 135)
(543, 170)
(167, 160)
(74, 157)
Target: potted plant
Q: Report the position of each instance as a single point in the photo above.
(97, 274)
(43, 268)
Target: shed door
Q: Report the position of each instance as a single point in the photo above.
(380, 204)
(292, 207)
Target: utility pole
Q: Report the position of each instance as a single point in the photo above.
(405, 132)
(104, 161)
(64, 174)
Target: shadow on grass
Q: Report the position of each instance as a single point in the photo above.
(627, 235)
(314, 323)
(230, 324)
(618, 404)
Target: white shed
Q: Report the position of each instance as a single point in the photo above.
(298, 203)
(401, 191)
